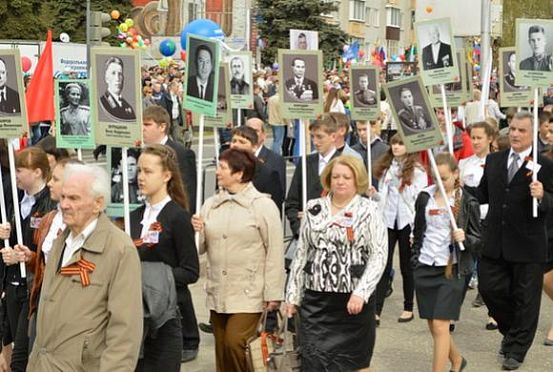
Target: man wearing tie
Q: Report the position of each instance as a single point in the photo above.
(9, 98)
(299, 87)
(201, 84)
(515, 243)
(112, 102)
(436, 54)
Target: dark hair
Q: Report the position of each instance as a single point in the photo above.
(48, 144)
(342, 120)
(535, 28)
(408, 165)
(33, 158)
(157, 114)
(404, 89)
(111, 60)
(240, 161)
(297, 59)
(168, 160)
(545, 117)
(490, 131)
(382, 94)
(325, 122)
(246, 132)
(199, 49)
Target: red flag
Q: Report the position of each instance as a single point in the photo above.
(40, 92)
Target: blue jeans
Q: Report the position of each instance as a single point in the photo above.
(278, 138)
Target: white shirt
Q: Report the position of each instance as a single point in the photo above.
(436, 51)
(55, 228)
(472, 170)
(257, 151)
(27, 203)
(74, 243)
(175, 110)
(521, 156)
(201, 87)
(324, 160)
(150, 214)
(3, 94)
(164, 140)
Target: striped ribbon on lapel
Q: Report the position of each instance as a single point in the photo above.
(81, 268)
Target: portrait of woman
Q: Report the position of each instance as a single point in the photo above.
(75, 114)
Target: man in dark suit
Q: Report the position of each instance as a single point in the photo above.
(112, 102)
(299, 87)
(436, 54)
(171, 102)
(323, 132)
(366, 129)
(411, 115)
(515, 243)
(201, 84)
(540, 60)
(9, 98)
(268, 157)
(265, 179)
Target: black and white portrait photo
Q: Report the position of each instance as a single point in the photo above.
(116, 80)
(9, 93)
(509, 60)
(304, 39)
(535, 54)
(74, 108)
(117, 176)
(408, 101)
(240, 70)
(300, 73)
(400, 70)
(364, 87)
(436, 46)
(201, 67)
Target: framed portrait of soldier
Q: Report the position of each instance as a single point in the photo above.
(365, 92)
(115, 169)
(512, 94)
(400, 70)
(304, 39)
(417, 122)
(202, 74)
(437, 57)
(74, 124)
(240, 79)
(224, 113)
(456, 93)
(534, 51)
(301, 85)
(13, 111)
(116, 96)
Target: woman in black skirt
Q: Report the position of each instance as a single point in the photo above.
(341, 254)
(440, 266)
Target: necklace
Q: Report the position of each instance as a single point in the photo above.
(339, 206)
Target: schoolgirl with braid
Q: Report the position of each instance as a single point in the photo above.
(440, 266)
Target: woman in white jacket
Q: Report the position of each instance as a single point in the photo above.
(401, 177)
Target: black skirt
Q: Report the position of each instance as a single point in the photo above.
(331, 339)
(437, 296)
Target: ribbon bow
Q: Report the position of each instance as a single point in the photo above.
(82, 268)
(156, 226)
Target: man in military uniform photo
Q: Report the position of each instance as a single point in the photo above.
(411, 115)
(364, 96)
(9, 98)
(75, 118)
(509, 77)
(540, 60)
(111, 101)
(299, 87)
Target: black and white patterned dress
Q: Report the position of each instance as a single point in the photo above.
(337, 256)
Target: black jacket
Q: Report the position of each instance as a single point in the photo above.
(267, 180)
(468, 219)
(167, 103)
(187, 167)
(511, 231)
(274, 161)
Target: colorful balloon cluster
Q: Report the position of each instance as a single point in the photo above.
(128, 34)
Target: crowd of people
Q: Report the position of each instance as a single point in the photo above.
(95, 298)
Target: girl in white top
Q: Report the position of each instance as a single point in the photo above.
(401, 177)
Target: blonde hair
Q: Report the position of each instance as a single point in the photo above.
(356, 166)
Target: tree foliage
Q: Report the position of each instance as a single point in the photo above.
(277, 17)
(20, 19)
(513, 9)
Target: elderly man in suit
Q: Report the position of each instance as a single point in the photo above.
(201, 84)
(510, 272)
(9, 98)
(90, 310)
(540, 60)
(299, 87)
(238, 84)
(437, 54)
(112, 101)
(411, 115)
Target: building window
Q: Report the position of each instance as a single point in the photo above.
(357, 10)
(373, 17)
(393, 17)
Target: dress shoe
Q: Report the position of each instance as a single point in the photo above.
(463, 365)
(548, 342)
(406, 320)
(511, 364)
(188, 355)
(205, 327)
(478, 301)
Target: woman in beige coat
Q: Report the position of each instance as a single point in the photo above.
(242, 235)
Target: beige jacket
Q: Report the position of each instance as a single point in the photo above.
(243, 239)
(274, 112)
(93, 328)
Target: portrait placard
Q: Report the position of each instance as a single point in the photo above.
(240, 79)
(224, 113)
(13, 109)
(304, 39)
(74, 125)
(417, 122)
(400, 70)
(512, 94)
(201, 75)
(437, 52)
(114, 168)
(365, 92)
(534, 51)
(456, 93)
(116, 96)
(302, 86)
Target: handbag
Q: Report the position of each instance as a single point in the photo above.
(286, 356)
(259, 346)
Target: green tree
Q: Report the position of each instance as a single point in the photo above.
(20, 19)
(513, 9)
(277, 17)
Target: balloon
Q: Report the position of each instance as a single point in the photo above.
(123, 27)
(361, 53)
(345, 48)
(146, 41)
(428, 9)
(183, 55)
(129, 40)
(64, 37)
(201, 27)
(115, 14)
(276, 66)
(26, 64)
(167, 47)
(129, 22)
(165, 62)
